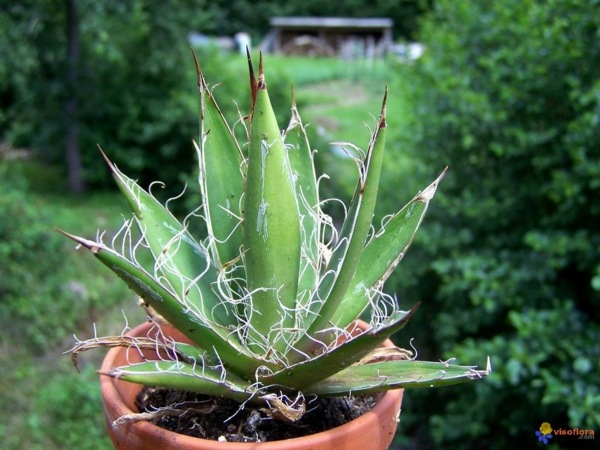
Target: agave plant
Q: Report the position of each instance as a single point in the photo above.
(269, 297)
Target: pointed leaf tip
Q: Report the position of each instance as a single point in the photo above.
(199, 74)
(261, 73)
(107, 373)
(411, 312)
(250, 65)
(430, 190)
(382, 114)
(196, 63)
(94, 247)
(253, 82)
(248, 55)
(110, 164)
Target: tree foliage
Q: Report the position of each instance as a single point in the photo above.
(508, 95)
(129, 85)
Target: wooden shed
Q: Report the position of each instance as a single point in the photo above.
(328, 36)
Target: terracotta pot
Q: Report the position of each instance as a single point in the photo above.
(373, 430)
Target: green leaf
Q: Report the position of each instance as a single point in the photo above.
(271, 231)
(221, 342)
(178, 257)
(221, 180)
(199, 378)
(318, 368)
(381, 376)
(307, 197)
(382, 254)
(353, 235)
(193, 354)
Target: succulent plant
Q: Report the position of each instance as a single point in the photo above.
(270, 296)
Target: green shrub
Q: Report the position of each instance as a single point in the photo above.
(508, 95)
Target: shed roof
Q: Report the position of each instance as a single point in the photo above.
(331, 22)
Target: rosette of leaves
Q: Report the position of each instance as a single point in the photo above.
(270, 295)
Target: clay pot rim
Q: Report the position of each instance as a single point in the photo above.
(110, 393)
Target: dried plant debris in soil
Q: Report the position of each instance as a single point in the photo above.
(222, 419)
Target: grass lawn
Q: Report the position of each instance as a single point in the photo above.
(48, 405)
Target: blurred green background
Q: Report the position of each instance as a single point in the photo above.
(507, 263)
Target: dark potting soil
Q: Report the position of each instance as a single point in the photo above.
(222, 419)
